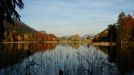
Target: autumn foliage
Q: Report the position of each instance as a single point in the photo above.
(127, 26)
(121, 31)
(13, 36)
(45, 37)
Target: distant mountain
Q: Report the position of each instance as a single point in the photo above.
(18, 27)
(88, 36)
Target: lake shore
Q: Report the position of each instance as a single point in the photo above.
(67, 42)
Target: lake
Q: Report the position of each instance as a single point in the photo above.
(64, 59)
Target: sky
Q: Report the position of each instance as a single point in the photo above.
(68, 17)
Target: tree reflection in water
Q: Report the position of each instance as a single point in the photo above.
(13, 53)
(47, 59)
(75, 45)
(122, 56)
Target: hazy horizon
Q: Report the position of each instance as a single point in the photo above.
(67, 17)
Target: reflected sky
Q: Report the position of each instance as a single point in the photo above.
(72, 59)
(65, 58)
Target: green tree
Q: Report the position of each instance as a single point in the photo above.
(132, 34)
(112, 34)
(119, 27)
(8, 13)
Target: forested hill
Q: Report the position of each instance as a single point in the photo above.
(18, 27)
(22, 32)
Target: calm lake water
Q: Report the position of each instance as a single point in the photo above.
(69, 59)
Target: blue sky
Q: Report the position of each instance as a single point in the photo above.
(67, 17)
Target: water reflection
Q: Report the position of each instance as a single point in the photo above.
(67, 59)
(122, 56)
(75, 45)
(10, 54)
(13, 53)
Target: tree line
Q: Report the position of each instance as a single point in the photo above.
(121, 31)
(13, 36)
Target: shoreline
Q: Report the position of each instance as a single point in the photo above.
(57, 42)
